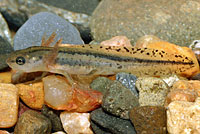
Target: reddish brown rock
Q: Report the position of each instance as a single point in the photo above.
(180, 95)
(9, 101)
(149, 119)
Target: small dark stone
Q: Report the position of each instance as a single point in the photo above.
(118, 100)
(5, 49)
(111, 123)
(128, 80)
(149, 119)
(55, 119)
(100, 84)
(32, 122)
(44, 24)
(98, 129)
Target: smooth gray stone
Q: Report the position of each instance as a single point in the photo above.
(111, 123)
(44, 24)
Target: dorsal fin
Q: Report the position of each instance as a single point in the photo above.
(49, 40)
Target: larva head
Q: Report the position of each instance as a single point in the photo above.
(26, 60)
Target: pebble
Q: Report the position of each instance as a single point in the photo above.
(98, 129)
(180, 95)
(128, 80)
(44, 24)
(110, 123)
(4, 30)
(149, 119)
(117, 41)
(188, 85)
(59, 95)
(183, 117)
(119, 100)
(145, 40)
(32, 94)
(152, 91)
(101, 84)
(32, 122)
(113, 18)
(5, 77)
(76, 123)
(5, 49)
(170, 80)
(51, 115)
(9, 103)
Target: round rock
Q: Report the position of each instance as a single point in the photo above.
(136, 18)
(43, 25)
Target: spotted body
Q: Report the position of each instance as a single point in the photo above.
(102, 60)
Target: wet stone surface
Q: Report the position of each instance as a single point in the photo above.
(131, 19)
(55, 120)
(128, 80)
(101, 84)
(149, 119)
(33, 122)
(152, 91)
(119, 100)
(44, 24)
(111, 123)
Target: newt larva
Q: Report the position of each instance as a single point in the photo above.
(102, 60)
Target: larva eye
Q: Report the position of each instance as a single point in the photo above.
(20, 60)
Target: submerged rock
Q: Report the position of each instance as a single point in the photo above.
(183, 117)
(128, 80)
(119, 100)
(44, 24)
(55, 120)
(134, 19)
(111, 123)
(149, 119)
(152, 91)
(9, 103)
(76, 123)
(32, 122)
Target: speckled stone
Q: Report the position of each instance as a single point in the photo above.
(44, 24)
(55, 119)
(32, 122)
(128, 80)
(101, 84)
(5, 49)
(183, 117)
(119, 100)
(111, 123)
(149, 119)
(134, 19)
(152, 91)
(9, 103)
